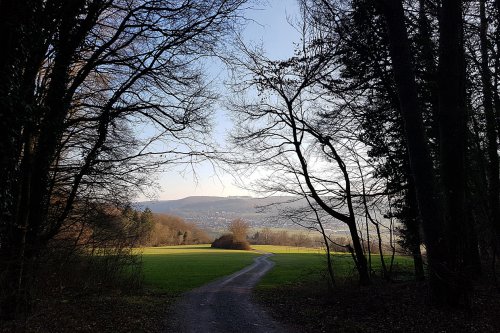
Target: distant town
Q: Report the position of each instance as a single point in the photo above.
(215, 213)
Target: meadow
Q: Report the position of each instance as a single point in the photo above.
(306, 265)
(175, 269)
(296, 291)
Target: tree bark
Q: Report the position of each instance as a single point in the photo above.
(452, 126)
(413, 228)
(419, 156)
(493, 169)
(428, 77)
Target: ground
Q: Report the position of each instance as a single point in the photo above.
(395, 307)
(226, 305)
(168, 271)
(175, 269)
(143, 312)
(295, 292)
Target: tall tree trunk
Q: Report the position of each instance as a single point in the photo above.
(497, 67)
(493, 168)
(41, 137)
(25, 49)
(413, 227)
(478, 200)
(361, 262)
(452, 127)
(419, 157)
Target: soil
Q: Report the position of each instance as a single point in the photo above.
(226, 305)
(383, 307)
(95, 313)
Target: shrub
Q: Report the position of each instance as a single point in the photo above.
(227, 241)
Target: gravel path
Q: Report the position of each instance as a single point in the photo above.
(225, 305)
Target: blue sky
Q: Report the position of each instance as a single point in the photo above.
(268, 25)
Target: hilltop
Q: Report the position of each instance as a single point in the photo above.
(214, 213)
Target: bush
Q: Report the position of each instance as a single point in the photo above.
(227, 241)
(93, 254)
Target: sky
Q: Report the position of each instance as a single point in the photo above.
(268, 25)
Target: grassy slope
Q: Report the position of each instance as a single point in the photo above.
(295, 291)
(179, 268)
(301, 265)
(175, 269)
(297, 276)
(292, 265)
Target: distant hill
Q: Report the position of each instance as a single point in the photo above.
(243, 204)
(214, 213)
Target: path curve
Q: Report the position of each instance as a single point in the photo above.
(225, 305)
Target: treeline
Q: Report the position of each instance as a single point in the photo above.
(114, 229)
(237, 237)
(173, 230)
(151, 229)
(97, 252)
(268, 236)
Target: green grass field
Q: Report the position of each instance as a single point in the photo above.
(299, 265)
(177, 269)
(294, 265)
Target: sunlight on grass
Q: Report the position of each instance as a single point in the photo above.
(176, 269)
(186, 249)
(298, 264)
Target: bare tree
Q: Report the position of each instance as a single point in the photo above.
(96, 94)
(239, 229)
(281, 130)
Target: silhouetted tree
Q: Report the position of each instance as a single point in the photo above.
(79, 80)
(444, 226)
(369, 93)
(282, 130)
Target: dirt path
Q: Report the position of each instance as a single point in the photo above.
(225, 305)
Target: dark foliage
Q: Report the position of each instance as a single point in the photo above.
(228, 241)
